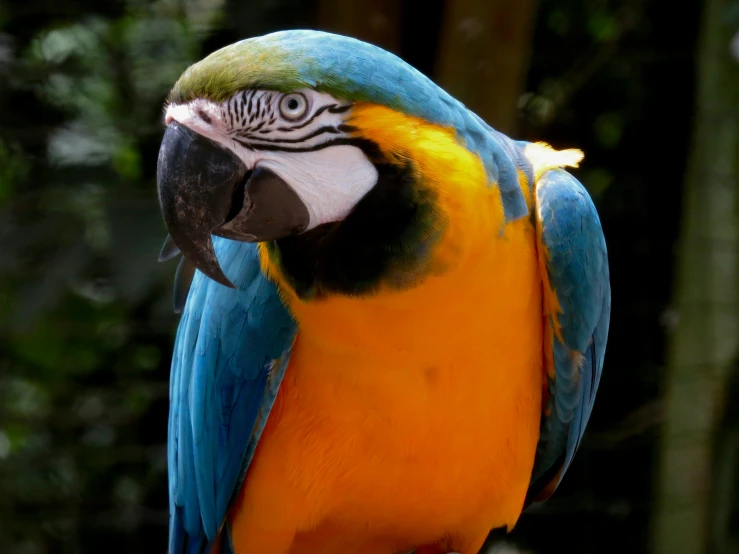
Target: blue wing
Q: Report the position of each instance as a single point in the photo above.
(230, 354)
(573, 251)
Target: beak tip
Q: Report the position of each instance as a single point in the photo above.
(228, 284)
(217, 275)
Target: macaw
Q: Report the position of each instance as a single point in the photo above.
(395, 317)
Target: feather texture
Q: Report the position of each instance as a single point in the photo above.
(230, 354)
(577, 296)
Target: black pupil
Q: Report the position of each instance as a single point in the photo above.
(292, 104)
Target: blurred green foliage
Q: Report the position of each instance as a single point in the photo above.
(86, 320)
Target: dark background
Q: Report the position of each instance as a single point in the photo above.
(86, 326)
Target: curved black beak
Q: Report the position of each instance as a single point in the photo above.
(205, 189)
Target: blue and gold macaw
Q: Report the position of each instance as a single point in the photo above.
(394, 340)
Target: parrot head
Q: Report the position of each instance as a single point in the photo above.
(263, 144)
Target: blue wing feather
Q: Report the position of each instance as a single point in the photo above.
(230, 354)
(577, 266)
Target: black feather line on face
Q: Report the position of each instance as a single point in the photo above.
(277, 148)
(320, 131)
(340, 109)
(249, 109)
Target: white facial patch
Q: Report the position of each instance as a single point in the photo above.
(329, 181)
(314, 154)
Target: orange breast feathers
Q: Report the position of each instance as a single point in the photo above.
(408, 417)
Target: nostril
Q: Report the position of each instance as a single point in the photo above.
(205, 117)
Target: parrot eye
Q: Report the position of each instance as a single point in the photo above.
(293, 106)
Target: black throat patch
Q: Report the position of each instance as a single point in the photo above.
(386, 239)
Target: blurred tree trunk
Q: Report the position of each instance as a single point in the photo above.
(484, 56)
(373, 21)
(704, 342)
(724, 531)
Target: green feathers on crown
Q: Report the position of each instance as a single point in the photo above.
(240, 66)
